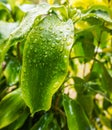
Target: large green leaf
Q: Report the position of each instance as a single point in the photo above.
(35, 14)
(45, 61)
(11, 108)
(76, 118)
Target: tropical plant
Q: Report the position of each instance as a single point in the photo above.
(56, 65)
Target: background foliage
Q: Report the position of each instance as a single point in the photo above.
(84, 100)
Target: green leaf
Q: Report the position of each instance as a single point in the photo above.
(79, 85)
(37, 13)
(11, 108)
(9, 26)
(44, 122)
(97, 14)
(53, 125)
(76, 117)
(87, 103)
(5, 13)
(106, 121)
(61, 11)
(4, 35)
(18, 123)
(84, 45)
(21, 32)
(83, 95)
(12, 78)
(104, 76)
(45, 61)
(18, 14)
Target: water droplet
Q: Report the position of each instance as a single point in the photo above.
(35, 50)
(43, 40)
(65, 56)
(41, 83)
(35, 40)
(68, 43)
(31, 47)
(53, 45)
(45, 52)
(57, 39)
(34, 60)
(64, 39)
(29, 60)
(61, 49)
(43, 64)
(24, 71)
(71, 36)
(41, 28)
(49, 40)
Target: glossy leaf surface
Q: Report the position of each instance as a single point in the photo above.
(45, 61)
(76, 117)
(11, 107)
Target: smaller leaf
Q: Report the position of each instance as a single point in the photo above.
(54, 125)
(104, 39)
(84, 45)
(76, 117)
(12, 78)
(106, 121)
(61, 11)
(97, 14)
(86, 102)
(19, 122)
(5, 13)
(104, 76)
(79, 84)
(43, 123)
(11, 108)
(5, 29)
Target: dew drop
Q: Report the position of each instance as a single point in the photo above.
(34, 60)
(65, 56)
(35, 40)
(43, 40)
(49, 40)
(31, 47)
(71, 36)
(53, 45)
(61, 49)
(41, 28)
(35, 50)
(57, 39)
(45, 52)
(68, 43)
(41, 36)
(64, 39)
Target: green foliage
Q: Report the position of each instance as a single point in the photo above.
(55, 65)
(45, 61)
